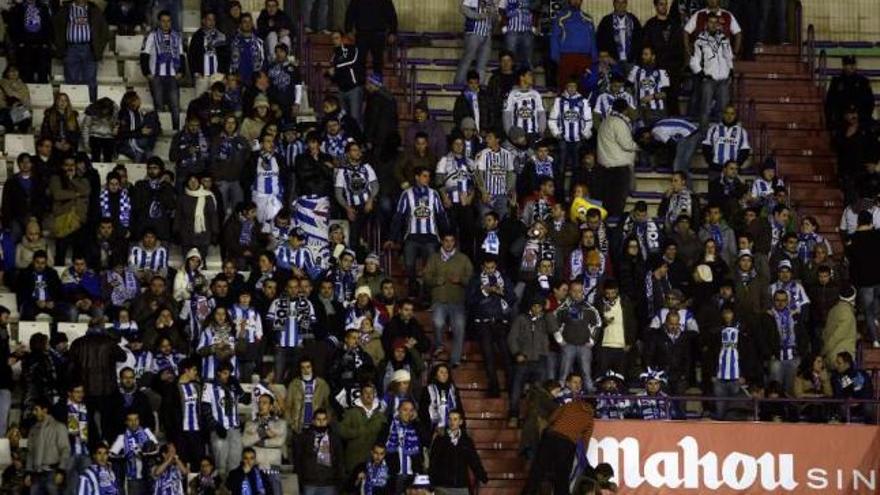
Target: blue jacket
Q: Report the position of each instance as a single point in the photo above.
(573, 32)
(7, 244)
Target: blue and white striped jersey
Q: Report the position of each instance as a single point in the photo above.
(78, 428)
(728, 357)
(649, 81)
(672, 129)
(334, 145)
(518, 14)
(797, 296)
(208, 338)
(268, 175)
(154, 260)
(293, 319)
(686, 320)
(421, 209)
(164, 52)
(571, 118)
(605, 100)
(355, 182)
(247, 322)
(190, 398)
(287, 257)
(493, 167)
(290, 151)
(97, 480)
(726, 141)
(224, 404)
(480, 27)
(78, 28)
(524, 108)
(458, 176)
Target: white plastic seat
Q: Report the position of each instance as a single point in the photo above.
(103, 168)
(108, 72)
(5, 453)
(42, 95)
(136, 172)
(15, 144)
(10, 301)
(145, 96)
(268, 457)
(129, 46)
(162, 149)
(73, 331)
(132, 73)
(113, 91)
(27, 329)
(78, 94)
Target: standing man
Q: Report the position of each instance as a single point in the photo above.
(848, 89)
(356, 187)
(664, 34)
(347, 72)
(319, 456)
(865, 271)
(568, 425)
(447, 274)
(573, 42)
(712, 60)
(651, 84)
(571, 123)
(725, 141)
(479, 19)
(374, 24)
(620, 34)
(419, 219)
(617, 153)
(81, 33)
(524, 107)
(246, 53)
(30, 34)
(163, 63)
(220, 409)
(208, 55)
(495, 177)
(48, 449)
(519, 29)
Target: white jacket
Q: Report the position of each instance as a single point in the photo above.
(712, 56)
(614, 143)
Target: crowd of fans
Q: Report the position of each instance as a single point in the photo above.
(514, 232)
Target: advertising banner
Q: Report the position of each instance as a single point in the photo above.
(735, 457)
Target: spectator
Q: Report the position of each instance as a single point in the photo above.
(571, 119)
(669, 349)
(319, 456)
(274, 26)
(133, 447)
(30, 35)
(361, 425)
(572, 42)
(403, 439)
(16, 113)
(287, 85)
(306, 394)
(665, 35)
(619, 330)
(813, 381)
(81, 288)
(849, 89)
(728, 190)
(616, 152)
(718, 231)
(48, 449)
(865, 276)
(219, 406)
(620, 34)
(431, 128)
(171, 473)
(454, 458)
(347, 71)
(713, 60)
(475, 103)
(356, 187)
(503, 79)
(189, 150)
(446, 275)
(81, 33)
(196, 218)
(247, 55)
(266, 430)
(528, 343)
(247, 478)
(850, 383)
(495, 177)
(699, 21)
(519, 28)
(375, 24)
(208, 53)
(737, 362)
(380, 118)
(100, 476)
(61, 125)
(24, 201)
(99, 129)
(137, 130)
(839, 333)
(556, 451)
(490, 295)
(70, 195)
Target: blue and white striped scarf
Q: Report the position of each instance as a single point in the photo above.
(787, 338)
(403, 441)
(376, 477)
(124, 206)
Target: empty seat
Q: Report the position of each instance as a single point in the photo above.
(113, 91)
(136, 172)
(132, 73)
(129, 46)
(191, 20)
(41, 95)
(103, 168)
(73, 331)
(165, 122)
(78, 94)
(16, 144)
(108, 72)
(163, 146)
(5, 453)
(27, 329)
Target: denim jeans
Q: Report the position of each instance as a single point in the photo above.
(869, 298)
(5, 404)
(712, 91)
(525, 372)
(520, 44)
(552, 366)
(80, 67)
(353, 103)
(584, 356)
(772, 28)
(231, 193)
(285, 360)
(724, 388)
(226, 451)
(417, 246)
(166, 91)
(476, 48)
(320, 23)
(493, 338)
(498, 204)
(272, 40)
(43, 483)
(569, 156)
(784, 372)
(684, 151)
(453, 315)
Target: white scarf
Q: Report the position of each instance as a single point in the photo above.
(199, 224)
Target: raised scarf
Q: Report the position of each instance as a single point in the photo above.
(199, 219)
(124, 206)
(403, 441)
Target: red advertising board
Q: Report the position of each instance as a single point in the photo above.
(756, 458)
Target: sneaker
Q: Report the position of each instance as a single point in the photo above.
(876, 344)
(513, 422)
(308, 30)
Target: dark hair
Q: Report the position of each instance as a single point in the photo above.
(40, 253)
(846, 357)
(611, 284)
(619, 105)
(163, 13)
(320, 410)
(42, 403)
(421, 135)
(472, 74)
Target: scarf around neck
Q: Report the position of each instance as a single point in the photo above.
(199, 218)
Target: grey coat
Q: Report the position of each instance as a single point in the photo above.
(531, 338)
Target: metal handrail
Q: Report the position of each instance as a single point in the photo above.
(762, 143)
(755, 401)
(811, 50)
(822, 69)
(799, 26)
(412, 89)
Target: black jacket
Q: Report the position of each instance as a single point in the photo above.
(380, 122)
(862, 254)
(672, 356)
(141, 198)
(138, 403)
(237, 477)
(19, 203)
(488, 307)
(306, 460)
(768, 338)
(93, 358)
(114, 247)
(312, 176)
(463, 109)
(25, 285)
(450, 462)
(667, 40)
(196, 51)
(393, 459)
(605, 38)
(278, 22)
(845, 91)
(19, 36)
(348, 68)
(399, 329)
(371, 16)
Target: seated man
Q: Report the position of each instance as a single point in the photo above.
(81, 289)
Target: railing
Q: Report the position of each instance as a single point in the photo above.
(811, 50)
(755, 403)
(762, 143)
(822, 78)
(412, 89)
(799, 26)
